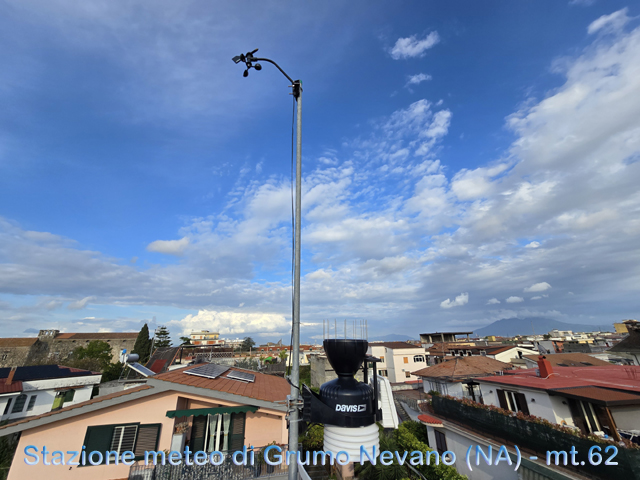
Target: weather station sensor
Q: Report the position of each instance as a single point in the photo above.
(347, 408)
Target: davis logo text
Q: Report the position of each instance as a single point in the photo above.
(350, 408)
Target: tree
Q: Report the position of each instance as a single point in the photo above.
(163, 338)
(283, 355)
(185, 340)
(248, 343)
(143, 345)
(97, 351)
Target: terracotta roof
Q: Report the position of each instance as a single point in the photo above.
(571, 360)
(394, 345)
(429, 420)
(458, 367)
(629, 344)
(81, 404)
(14, 387)
(602, 396)
(17, 342)
(270, 388)
(618, 377)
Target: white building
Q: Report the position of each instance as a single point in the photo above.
(398, 360)
(27, 391)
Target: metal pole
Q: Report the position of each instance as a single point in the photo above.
(295, 367)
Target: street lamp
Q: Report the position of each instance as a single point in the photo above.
(252, 62)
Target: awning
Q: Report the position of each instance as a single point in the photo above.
(196, 412)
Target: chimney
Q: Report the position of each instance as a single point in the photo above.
(10, 376)
(544, 366)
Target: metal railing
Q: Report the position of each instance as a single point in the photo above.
(226, 470)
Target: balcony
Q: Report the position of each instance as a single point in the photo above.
(537, 436)
(226, 470)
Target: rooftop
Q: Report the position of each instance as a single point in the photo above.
(429, 420)
(98, 336)
(459, 367)
(17, 342)
(266, 387)
(618, 377)
(44, 372)
(571, 360)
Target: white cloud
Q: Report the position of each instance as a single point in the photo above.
(533, 244)
(410, 47)
(169, 247)
(537, 287)
(611, 23)
(514, 299)
(230, 323)
(493, 301)
(417, 79)
(80, 304)
(461, 299)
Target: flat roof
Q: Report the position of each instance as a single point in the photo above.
(599, 395)
(448, 333)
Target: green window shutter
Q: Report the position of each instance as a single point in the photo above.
(198, 430)
(236, 432)
(148, 437)
(98, 439)
(68, 396)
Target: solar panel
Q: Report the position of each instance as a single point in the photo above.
(242, 376)
(141, 369)
(209, 370)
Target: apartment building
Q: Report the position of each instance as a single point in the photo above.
(398, 360)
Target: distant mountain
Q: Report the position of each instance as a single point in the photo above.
(509, 327)
(392, 337)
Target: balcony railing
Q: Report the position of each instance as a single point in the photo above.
(226, 470)
(537, 437)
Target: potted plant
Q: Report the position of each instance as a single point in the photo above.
(179, 436)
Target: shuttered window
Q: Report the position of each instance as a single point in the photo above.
(441, 442)
(123, 438)
(236, 432)
(514, 401)
(130, 437)
(32, 402)
(148, 436)
(7, 406)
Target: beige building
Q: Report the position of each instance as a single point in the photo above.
(173, 410)
(398, 360)
(205, 337)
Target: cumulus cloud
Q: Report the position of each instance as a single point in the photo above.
(514, 299)
(169, 247)
(230, 323)
(537, 287)
(461, 299)
(493, 301)
(533, 244)
(412, 46)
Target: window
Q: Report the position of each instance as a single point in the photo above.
(441, 442)
(4, 356)
(32, 402)
(514, 401)
(439, 387)
(18, 406)
(7, 406)
(407, 374)
(418, 358)
(382, 373)
(406, 359)
(381, 359)
(131, 437)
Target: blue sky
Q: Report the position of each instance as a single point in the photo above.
(463, 162)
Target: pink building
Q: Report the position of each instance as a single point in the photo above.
(174, 409)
